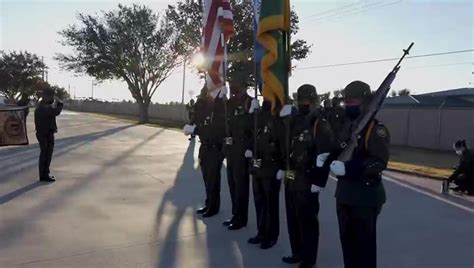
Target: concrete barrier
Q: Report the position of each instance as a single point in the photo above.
(428, 128)
(163, 112)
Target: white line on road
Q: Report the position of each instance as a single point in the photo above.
(468, 209)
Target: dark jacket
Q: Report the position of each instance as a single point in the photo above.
(45, 117)
(362, 185)
(465, 167)
(240, 121)
(309, 136)
(269, 138)
(210, 124)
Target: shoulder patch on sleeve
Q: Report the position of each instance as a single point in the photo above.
(381, 131)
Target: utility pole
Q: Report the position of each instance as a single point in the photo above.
(92, 85)
(184, 81)
(42, 71)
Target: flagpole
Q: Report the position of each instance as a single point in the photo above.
(255, 74)
(286, 37)
(224, 71)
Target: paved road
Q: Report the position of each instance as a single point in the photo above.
(126, 195)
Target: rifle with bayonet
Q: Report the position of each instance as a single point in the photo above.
(374, 106)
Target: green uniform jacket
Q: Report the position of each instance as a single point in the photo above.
(310, 136)
(270, 129)
(362, 185)
(210, 121)
(240, 124)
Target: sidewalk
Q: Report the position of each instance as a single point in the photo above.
(422, 162)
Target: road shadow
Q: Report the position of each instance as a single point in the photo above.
(16, 159)
(14, 194)
(175, 203)
(178, 203)
(18, 226)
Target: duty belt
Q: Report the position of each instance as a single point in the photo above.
(211, 145)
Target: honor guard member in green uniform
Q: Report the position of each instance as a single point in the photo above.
(303, 180)
(336, 115)
(210, 118)
(238, 140)
(267, 172)
(360, 193)
(191, 108)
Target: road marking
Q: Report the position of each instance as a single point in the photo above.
(429, 194)
(468, 209)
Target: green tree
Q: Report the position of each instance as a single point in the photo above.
(324, 97)
(59, 92)
(19, 73)
(338, 93)
(132, 44)
(404, 92)
(187, 15)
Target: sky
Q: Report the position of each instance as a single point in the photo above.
(339, 31)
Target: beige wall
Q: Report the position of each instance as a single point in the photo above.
(175, 112)
(429, 128)
(424, 128)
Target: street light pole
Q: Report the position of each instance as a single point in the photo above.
(42, 70)
(92, 89)
(184, 81)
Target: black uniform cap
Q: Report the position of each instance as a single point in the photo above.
(356, 90)
(307, 91)
(460, 144)
(47, 92)
(336, 101)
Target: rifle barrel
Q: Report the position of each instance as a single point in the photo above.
(405, 52)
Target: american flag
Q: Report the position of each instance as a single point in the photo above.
(217, 29)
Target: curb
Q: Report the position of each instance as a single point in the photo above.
(155, 122)
(416, 174)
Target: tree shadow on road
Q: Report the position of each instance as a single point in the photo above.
(17, 227)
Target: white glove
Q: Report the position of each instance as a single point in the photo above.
(321, 159)
(248, 154)
(338, 168)
(189, 129)
(280, 175)
(286, 110)
(315, 188)
(254, 105)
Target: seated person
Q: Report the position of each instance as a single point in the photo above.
(463, 176)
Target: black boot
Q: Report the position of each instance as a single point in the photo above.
(209, 213)
(268, 244)
(291, 259)
(228, 222)
(201, 210)
(49, 179)
(255, 240)
(236, 226)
